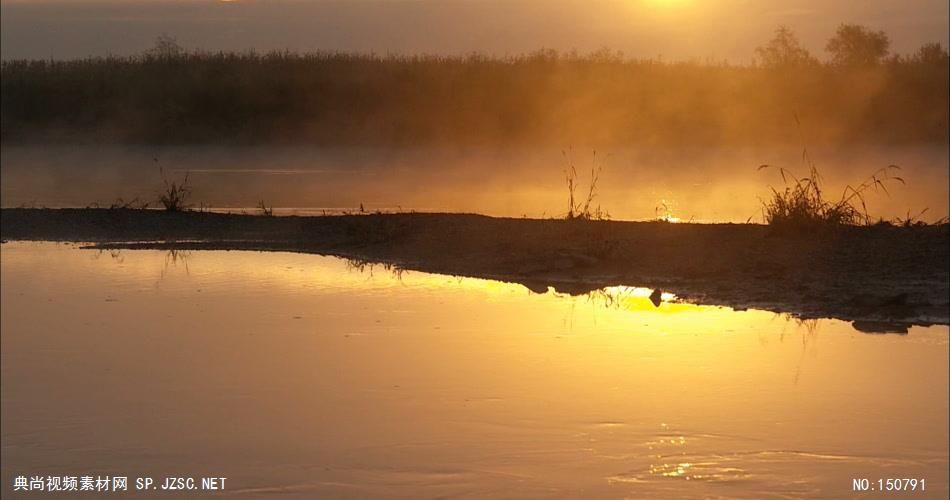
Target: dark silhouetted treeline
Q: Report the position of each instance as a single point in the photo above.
(171, 96)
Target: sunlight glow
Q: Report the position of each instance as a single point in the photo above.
(667, 4)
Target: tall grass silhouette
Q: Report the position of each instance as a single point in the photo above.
(582, 207)
(539, 98)
(803, 204)
(175, 194)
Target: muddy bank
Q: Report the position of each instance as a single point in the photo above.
(882, 278)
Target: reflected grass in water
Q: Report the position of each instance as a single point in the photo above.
(295, 373)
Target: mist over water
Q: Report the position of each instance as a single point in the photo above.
(708, 185)
(601, 367)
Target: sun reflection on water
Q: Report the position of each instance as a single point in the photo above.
(358, 370)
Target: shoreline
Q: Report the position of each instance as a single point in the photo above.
(881, 278)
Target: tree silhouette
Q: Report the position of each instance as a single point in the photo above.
(783, 51)
(165, 47)
(856, 45)
(931, 53)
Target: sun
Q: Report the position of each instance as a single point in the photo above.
(668, 10)
(667, 4)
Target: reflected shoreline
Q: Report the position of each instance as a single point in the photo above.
(883, 279)
(331, 371)
(626, 297)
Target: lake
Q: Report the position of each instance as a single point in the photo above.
(306, 376)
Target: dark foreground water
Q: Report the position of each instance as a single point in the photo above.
(308, 376)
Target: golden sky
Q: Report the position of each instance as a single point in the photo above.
(672, 29)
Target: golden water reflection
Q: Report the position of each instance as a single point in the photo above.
(307, 376)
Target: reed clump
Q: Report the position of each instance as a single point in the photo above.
(265, 210)
(175, 195)
(803, 204)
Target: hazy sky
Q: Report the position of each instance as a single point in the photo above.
(673, 29)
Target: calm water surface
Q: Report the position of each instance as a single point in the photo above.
(308, 377)
(711, 185)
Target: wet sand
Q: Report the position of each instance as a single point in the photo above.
(882, 278)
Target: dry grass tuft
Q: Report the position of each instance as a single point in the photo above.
(577, 208)
(175, 195)
(265, 210)
(803, 204)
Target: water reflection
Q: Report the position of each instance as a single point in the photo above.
(619, 297)
(880, 327)
(305, 376)
(368, 267)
